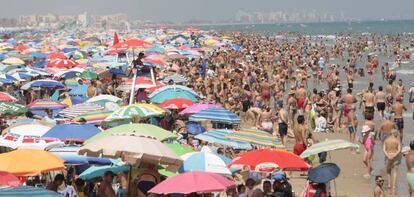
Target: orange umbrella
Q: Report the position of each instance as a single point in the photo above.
(29, 162)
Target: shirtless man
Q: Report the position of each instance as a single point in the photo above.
(91, 91)
(300, 136)
(349, 112)
(252, 114)
(301, 98)
(105, 189)
(292, 108)
(378, 191)
(368, 100)
(385, 128)
(399, 89)
(409, 160)
(398, 108)
(282, 121)
(380, 101)
(389, 93)
(265, 120)
(392, 151)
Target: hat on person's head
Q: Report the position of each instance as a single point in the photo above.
(398, 98)
(365, 129)
(279, 176)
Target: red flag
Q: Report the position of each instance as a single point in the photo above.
(116, 40)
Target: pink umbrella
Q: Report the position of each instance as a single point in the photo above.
(190, 182)
(9, 179)
(6, 97)
(198, 107)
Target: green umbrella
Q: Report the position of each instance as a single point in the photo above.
(12, 109)
(165, 172)
(89, 75)
(180, 149)
(139, 129)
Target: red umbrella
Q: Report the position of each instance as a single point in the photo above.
(21, 48)
(57, 55)
(116, 39)
(62, 63)
(6, 97)
(190, 182)
(177, 103)
(9, 179)
(136, 43)
(268, 160)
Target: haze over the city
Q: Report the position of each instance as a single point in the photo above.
(212, 10)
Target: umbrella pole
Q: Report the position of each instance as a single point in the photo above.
(129, 180)
(131, 96)
(330, 159)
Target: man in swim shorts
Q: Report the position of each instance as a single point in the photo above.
(409, 160)
(301, 98)
(392, 151)
(398, 108)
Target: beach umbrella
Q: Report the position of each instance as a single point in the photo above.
(30, 162)
(324, 173)
(137, 129)
(141, 82)
(269, 160)
(194, 128)
(104, 98)
(43, 83)
(179, 149)
(57, 55)
(133, 149)
(72, 132)
(98, 171)
(69, 153)
(89, 75)
(36, 129)
(62, 63)
(177, 103)
(7, 179)
(93, 117)
(193, 182)
(46, 104)
(80, 109)
(169, 92)
(175, 78)
(137, 43)
(257, 137)
(12, 109)
(142, 110)
(205, 162)
(216, 115)
(41, 64)
(13, 61)
(6, 97)
(27, 191)
(218, 137)
(328, 145)
(197, 107)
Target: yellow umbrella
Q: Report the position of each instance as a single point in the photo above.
(210, 42)
(13, 61)
(30, 162)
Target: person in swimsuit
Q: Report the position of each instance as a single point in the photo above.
(265, 120)
(380, 101)
(368, 142)
(392, 152)
(398, 108)
(282, 122)
(409, 160)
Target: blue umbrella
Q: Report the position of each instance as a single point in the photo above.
(98, 171)
(27, 191)
(44, 83)
(3, 56)
(73, 159)
(324, 173)
(41, 64)
(216, 115)
(194, 128)
(204, 161)
(38, 55)
(218, 137)
(79, 90)
(72, 131)
(117, 71)
(69, 49)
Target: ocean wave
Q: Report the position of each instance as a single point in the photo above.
(405, 72)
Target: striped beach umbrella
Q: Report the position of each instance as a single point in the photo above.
(328, 145)
(27, 191)
(94, 117)
(257, 137)
(173, 91)
(80, 109)
(12, 109)
(42, 83)
(177, 103)
(198, 107)
(6, 97)
(218, 137)
(62, 63)
(175, 78)
(141, 110)
(46, 104)
(205, 162)
(216, 115)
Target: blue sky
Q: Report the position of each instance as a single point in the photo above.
(182, 10)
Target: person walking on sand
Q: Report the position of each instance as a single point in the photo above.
(392, 151)
(378, 190)
(380, 101)
(398, 108)
(409, 161)
(368, 142)
(300, 135)
(411, 97)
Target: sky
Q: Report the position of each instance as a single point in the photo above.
(214, 10)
